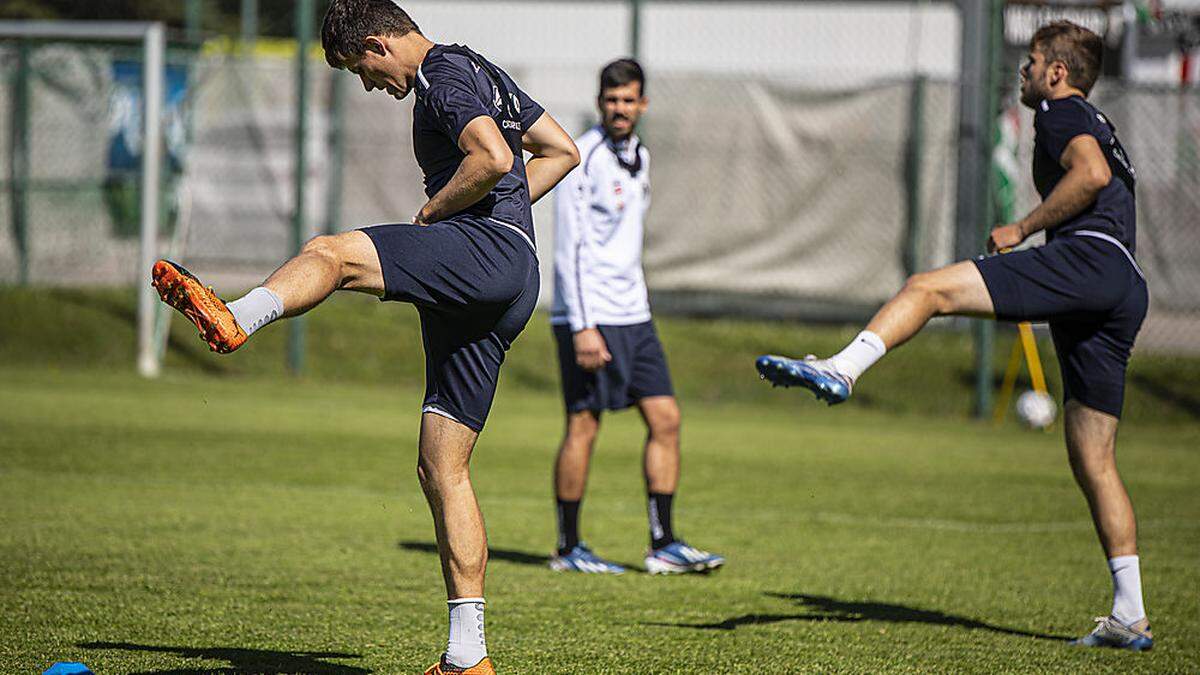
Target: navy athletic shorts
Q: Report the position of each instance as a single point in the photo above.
(638, 369)
(1093, 294)
(475, 283)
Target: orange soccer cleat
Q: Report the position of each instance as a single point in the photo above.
(484, 667)
(180, 289)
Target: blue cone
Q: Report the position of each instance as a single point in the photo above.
(68, 668)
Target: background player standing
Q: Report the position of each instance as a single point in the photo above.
(467, 261)
(609, 353)
(1084, 281)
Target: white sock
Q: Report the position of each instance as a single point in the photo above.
(862, 353)
(466, 646)
(256, 309)
(1127, 589)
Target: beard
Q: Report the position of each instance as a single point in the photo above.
(1030, 94)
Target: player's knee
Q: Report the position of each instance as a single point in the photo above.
(324, 247)
(931, 289)
(665, 426)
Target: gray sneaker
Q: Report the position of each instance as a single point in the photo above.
(1112, 633)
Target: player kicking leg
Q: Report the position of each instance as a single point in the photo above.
(1084, 281)
(466, 261)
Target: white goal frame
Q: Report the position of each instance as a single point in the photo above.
(152, 36)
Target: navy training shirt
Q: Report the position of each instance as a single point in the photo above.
(1055, 124)
(454, 87)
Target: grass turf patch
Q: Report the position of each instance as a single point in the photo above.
(253, 524)
(354, 338)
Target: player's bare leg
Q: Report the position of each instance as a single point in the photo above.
(570, 481)
(660, 462)
(957, 289)
(1091, 448)
(346, 261)
(575, 454)
(444, 473)
(668, 554)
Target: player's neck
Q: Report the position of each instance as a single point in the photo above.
(1065, 92)
(410, 50)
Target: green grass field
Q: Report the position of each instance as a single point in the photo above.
(225, 519)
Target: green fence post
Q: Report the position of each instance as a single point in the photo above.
(914, 226)
(635, 28)
(304, 12)
(337, 152)
(985, 331)
(18, 160)
(249, 24)
(193, 20)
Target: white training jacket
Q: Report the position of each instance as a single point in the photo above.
(600, 210)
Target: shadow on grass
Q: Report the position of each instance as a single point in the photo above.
(241, 661)
(1175, 396)
(822, 608)
(519, 557)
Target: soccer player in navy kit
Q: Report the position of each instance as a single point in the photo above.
(609, 354)
(467, 261)
(1085, 282)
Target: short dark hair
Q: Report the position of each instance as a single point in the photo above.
(348, 23)
(622, 72)
(1078, 48)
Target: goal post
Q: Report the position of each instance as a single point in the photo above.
(152, 37)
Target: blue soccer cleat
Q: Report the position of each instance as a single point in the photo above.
(581, 559)
(816, 375)
(1112, 633)
(679, 558)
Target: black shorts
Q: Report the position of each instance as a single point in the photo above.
(1093, 295)
(475, 284)
(638, 369)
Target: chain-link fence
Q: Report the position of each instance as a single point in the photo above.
(799, 169)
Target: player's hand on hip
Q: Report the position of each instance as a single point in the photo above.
(591, 352)
(1005, 237)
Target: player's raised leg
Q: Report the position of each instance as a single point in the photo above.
(443, 469)
(1091, 447)
(346, 261)
(668, 554)
(957, 289)
(570, 480)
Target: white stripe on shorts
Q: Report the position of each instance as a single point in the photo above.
(1113, 240)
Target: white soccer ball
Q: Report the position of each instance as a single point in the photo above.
(1036, 409)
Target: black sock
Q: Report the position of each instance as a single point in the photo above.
(568, 526)
(659, 508)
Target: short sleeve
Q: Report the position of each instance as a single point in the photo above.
(1058, 123)
(454, 104)
(531, 111)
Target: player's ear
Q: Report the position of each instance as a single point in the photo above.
(375, 44)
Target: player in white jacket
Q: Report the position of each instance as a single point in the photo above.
(609, 352)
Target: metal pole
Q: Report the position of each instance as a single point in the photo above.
(152, 92)
(337, 153)
(304, 12)
(249, 24)
(193, 20)
(985, 335)
(18, 159)
(974, 163)
(912, 173)
(635, 28)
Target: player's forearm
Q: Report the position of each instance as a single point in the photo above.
(475, 177)
(543, 173)
(1075, 192)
